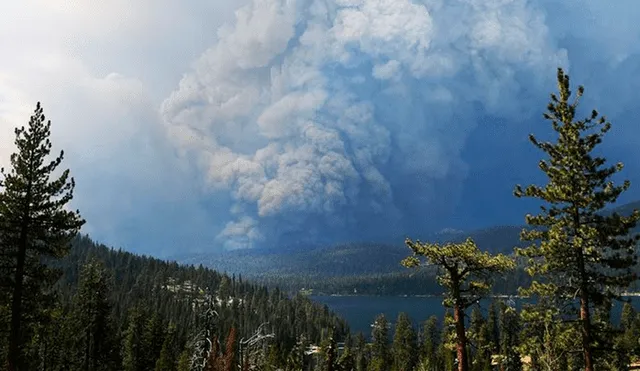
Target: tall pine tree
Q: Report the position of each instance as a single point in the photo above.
(404, 348)
(430, 340)
(35, 225)
(581, 253)
(380, 357)
(91, 317)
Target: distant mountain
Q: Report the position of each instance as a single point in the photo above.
(352, 259)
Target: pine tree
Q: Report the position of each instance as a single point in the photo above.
(448, 344)
(581, 252)
(168, 353)
(429, 347)
(493, 327)
(629, 326)
(295, 360)
(133, 352)
(35, 225)
(404, 349)
(91, 314)
(627, 316)
(330, 354)
(380, 358)
(184, 361)
(361, 352)
(152, 340)
(509, 339)
(346, 361)
(480, 338)
(466, 273)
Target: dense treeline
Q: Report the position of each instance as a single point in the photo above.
(420, 282)
(116, 310)
(495, 341)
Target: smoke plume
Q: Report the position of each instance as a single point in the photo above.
(322, 119)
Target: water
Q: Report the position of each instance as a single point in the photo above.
(360, 311)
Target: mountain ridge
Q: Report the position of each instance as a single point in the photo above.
(354, 258)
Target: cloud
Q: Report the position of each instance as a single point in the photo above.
(81, 62)
(321, 111)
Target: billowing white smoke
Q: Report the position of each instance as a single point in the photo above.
(312, 114)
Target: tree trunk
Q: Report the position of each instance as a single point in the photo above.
(15, 337)
(585, 318)
(461, 345)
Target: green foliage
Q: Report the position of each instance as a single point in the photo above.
(430, 340)
(465, 272)
(184, 362)
(91, 319)
(509, 333)
(404, 348)
(380, 355)
(169, 354)
(35, 224)
(580, 252)
(133, 352)
(362, 353)
(480, 337)
(347, 359)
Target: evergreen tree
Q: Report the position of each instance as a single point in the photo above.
(629, 326)
(480, 339)
(152, 340)
(430, 340)
(184, 361)
(330, 354)
(169, 352)
(580, 250)
(346, 361)
(133, 352)
(380, 358)
(493, 327)
(627, 316)
(404, 348)
(361, 353)
(91, 314)
(295, 360)
(509, 339)
(35, 225)
(448, 344)
(466, 273)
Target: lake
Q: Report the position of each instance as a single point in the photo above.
(360, 311)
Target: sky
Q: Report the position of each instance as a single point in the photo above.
(226, 124)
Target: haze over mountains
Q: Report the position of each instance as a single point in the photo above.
(354, 259)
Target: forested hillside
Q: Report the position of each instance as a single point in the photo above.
(150, 309)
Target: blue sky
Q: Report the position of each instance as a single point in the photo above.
(240, 124)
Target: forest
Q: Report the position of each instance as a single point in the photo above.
(69, 303)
